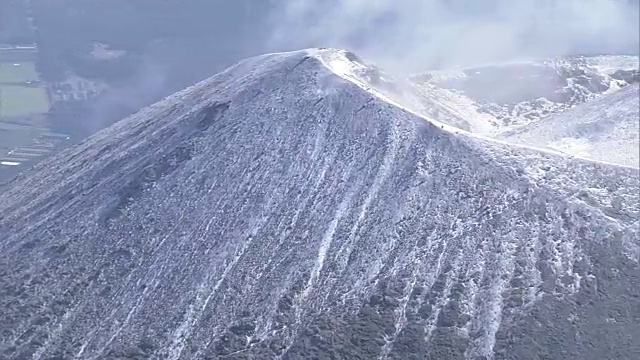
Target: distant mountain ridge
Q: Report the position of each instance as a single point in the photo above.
(519, 93)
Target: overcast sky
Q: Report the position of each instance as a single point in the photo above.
(399, 35)
(419, 33)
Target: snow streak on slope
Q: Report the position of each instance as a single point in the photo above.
(605, 129)
(278, 210)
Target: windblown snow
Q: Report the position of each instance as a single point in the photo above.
(303, 205)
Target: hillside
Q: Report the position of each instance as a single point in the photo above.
(605, 129)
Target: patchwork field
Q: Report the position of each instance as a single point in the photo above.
(12, 136)
(17, 97)
(17, 73)
(22, 101)
(21, 146)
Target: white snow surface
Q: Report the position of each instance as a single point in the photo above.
(506, 96)
(608, 64)
(606, 129)
(560, 135)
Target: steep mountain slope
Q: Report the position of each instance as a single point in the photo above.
(605, 129)
(278, 210)
(508, 95)
(401, 92)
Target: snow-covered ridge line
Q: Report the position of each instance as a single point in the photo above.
(338, 62)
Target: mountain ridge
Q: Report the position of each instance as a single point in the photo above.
(341, 67)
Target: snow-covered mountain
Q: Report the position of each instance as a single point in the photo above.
(508, 95)
(290, 208)
(602, 126)
(605, 129)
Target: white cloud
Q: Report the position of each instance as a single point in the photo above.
(418, 33)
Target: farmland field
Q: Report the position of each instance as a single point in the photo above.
(17, 73)
(22, 101)
(12, 136)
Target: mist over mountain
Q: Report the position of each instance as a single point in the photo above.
(191, 40)
(418, 35)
